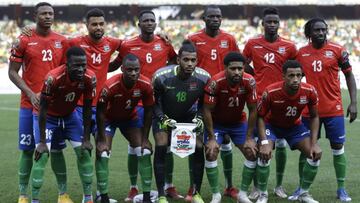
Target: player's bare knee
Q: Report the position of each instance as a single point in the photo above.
(161, 138)
(280, 143)
(211, 156)
(249, 155)
(336, 146)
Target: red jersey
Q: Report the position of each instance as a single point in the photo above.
(39, 55)
(211, 51)
(121, 102)
(321, 68)
(229, 101)
(268, 58)
(152, 55)
(98, 57)
(62, 94)
(284, 110)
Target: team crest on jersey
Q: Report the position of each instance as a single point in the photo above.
(84, 46)
(252, 82)
(48, 83)
(303, 100)
(136, 93)
(157, 47)
(16, 44)
(193, 86)
(212, 86)
(58, 45)
(81, 85)
(103, 95)
(224, 44)
(329, 54)
(281, 50)
(106, 48)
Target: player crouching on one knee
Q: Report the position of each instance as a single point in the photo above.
(279, 116)
(225, 97)
(117, 108)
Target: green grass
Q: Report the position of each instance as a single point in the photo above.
(323, 189)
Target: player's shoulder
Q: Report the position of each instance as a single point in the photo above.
(131, 40)
(275, 87)
(57, 35)
(225, 34)
(255, 39)
(249, 79)
(57, 72)
(196, 35)
(144, 80)
(286, 41)
(202, 74)
(307, 87)
(165, 72)
(334, 45)
(113, 80)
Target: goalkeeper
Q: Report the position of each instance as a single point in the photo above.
(179, 94)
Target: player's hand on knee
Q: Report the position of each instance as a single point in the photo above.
(40, 149)
(250, 148)
(198, 120)
(212, 148)
(315, 152)
(101, 147)
(146, 144)
(86, 145)
(265, 152)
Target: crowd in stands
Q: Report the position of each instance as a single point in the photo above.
(345, 33)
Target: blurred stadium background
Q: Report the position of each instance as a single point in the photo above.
(178, 18)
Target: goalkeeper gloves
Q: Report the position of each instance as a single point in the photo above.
(167, 123)
(198, 120)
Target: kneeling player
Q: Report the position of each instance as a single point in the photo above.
(225, 98)
(282, 104)
(116, 108)
(57, 119)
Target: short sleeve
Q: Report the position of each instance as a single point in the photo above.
(251, 96)
(210, 90)
(18, 49)
(264, 104)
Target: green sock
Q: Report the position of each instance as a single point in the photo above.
(145, 172)
(169, 169)
(227, 159)
(102, 173)
(280, 157)
(58, 165)
(85, 169)
(213, 177)
(37, 177)
(302, 161)
(262, 175)
(247, 177)
(340, 169)
(133, 168)
(190, 160)
(309, 174)
(25, 165)
(255, 180)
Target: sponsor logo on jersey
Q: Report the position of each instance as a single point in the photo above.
(157, 47)
(32, 43)
(118, 95)
(84, 46)
(279, 101)
(169, 87)
(58, 45)
(135, 48)
(224, 91)
(305, 55)
(62, 87)
(224, 44)
(282, 50)
(303, 100)
(193, 86)
(136, 93)
(329, 54)
(106, 48)
(200, 43)
(258, 47)
(338, 107)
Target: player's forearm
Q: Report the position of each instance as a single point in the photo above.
(261, 128)
(351, 84)
(87, 119)
(147, 121)
(314, 128)
(209, 123)
(251, 121)
(17, 80)
(113, 66)
(100, 121)
(42, 120)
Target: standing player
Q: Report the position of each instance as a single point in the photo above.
(58, 120)
(322, 60)
(116, 108)
(282, 104)
(37, 55)
(181, 86)
(212, 44)
(225, 98)
(153, 53)
(268, 53)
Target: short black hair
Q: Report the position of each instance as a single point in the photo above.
(290, 64)
(270, 11)
(95, 12)
(143, 12)
(129, 57)
(210, 7)
(233, 56)
(74, 51)
(187, 46)
(309, 25)
(41, 4)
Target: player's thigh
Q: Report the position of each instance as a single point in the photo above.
(133, 135)
(161, 136)
(53, 133)
(110, 129)
(335, 131)
(26, 133)
(73, 129)
(93, 126)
